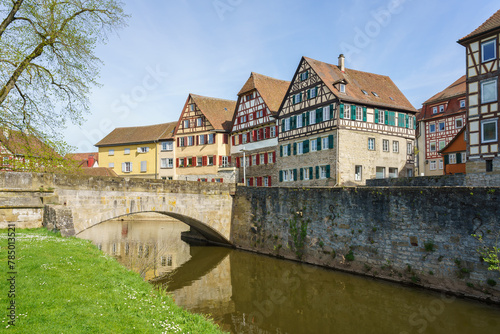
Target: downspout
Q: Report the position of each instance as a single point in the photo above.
(156, 160)
(338, 147)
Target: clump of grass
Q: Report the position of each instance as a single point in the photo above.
(63, 279)
(349, 256)
(491, 282)
(429, 246)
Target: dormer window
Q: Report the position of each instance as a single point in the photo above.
(342, 88)
(488, 50)
(364, 92)
(375, 94)
(434, 110)
(249, 97)
(441, 108)
(391, 98)
(462, 103)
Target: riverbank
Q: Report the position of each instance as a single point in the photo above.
(67, 285)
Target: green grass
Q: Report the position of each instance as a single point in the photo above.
(66, 285)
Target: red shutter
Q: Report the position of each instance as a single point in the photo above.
(267, 132)
(220, 160)
(248, 137)
(265, 158)
(215, 138)
(215, 160)
(229, 159)
(177, 162)
(185, 162)
(238, 162)
(251, 182)
(199, 180)
(276, 131)
(258, 160)
(213, 180)
(195, 162)
(197, 140)
(206, 139)
(269, 180)
(234, 140)
(204, 161)
(254, 135)
(221, 180)
(261, 133)
(249, 160)
(274, 157)
(178, 142)
(240, 139)
(225, 139)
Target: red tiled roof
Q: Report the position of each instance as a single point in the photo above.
(490, 24)
(136, 134)
(98, 171)
(22, 144)
(169, 132)
(388, 94)
(272, 90)
(455, 89)
(219, 112)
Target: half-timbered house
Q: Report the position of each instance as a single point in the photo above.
(254, 136)
(202, 140)
(442, 117)
(482, 57)
(341, 126)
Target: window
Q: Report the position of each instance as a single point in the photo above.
(314, 145)
(225, 161)
(199, 121)
(357, 173)
(434, 110)
(163, 163)
(270, 159)
(286, 175)
(441, 164)
(167, 146)
(186, 124)
(244, 138)
(409, 149)
(306, 174)
(202, 140)
(325, 143)
(441, 126)
(312, 117)
(432, 128)
(489, 131)
(441, 108)
(211, 138)
(381, 117)
(347, 112)
(254, 159)
(385, 145)
(462, 103)
(243, 119)
(313, 92)
(342, 88)
(250, 117)
(297, 98)
(452, 158)
(143, 149)
(287, 125)
(326, 113)
(410, 122)
(299, 121)
(488, 90)
(375, 94)
(247, 161)
(190, 141)
(464, 156)
(266, 181)
(199, 161)
(409, 172)
(459, 123)
(371, 144)
(393, 172)
(285, 151)
(126, 167)
(359, 113)
(111, 152)
(126, 151)
(433, 146)
(304, 75)
(489, 165)
(249, 97)
(191, 107)
(262, 159)
(190, 162)
(380, 172)
(273, 132)
(433, 165)
(181, 162)
(395, 146)
(364, 92)
(300, 148)
(442, 144)
(322, 172)
(210, 160)
(110, 165)
(488, 50)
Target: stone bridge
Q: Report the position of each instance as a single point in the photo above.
(73, 203)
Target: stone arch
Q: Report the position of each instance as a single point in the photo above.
(205, 230)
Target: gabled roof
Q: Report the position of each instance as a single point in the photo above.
(272, 90)
(490, 24)
(455, 89)
(22, 144)
(458, 136)
(82, 158)
(98, 171)
(136, 134)
(169, 131)
(388, 94)
(219, 112)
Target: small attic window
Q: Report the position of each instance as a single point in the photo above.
(342, 88)
(391, 98)
(225, 109)
(364, 92)
(375, 94)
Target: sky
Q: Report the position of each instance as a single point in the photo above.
(171, 48)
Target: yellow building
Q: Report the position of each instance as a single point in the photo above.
(202, 140)
(133, 151)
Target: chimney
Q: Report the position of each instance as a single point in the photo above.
(342, 62)
(90, 161)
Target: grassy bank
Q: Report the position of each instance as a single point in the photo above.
(66, 285)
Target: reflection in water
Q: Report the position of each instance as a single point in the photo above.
(249, 293)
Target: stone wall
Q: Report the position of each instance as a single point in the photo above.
(416, 235)
(456, 180)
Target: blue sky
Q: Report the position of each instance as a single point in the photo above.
(209, 47)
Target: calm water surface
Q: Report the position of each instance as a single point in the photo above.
(249, 293)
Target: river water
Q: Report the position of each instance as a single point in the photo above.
(249, 293)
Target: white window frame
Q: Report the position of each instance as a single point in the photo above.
(297, 98)
(431, 145)
(143, 149)
(324, 143)
(385, 145)
(431, 127)
(163, 163)
(199, 121)
(285, 175)
(110, 165)
(434, 110)
(167, 146)
(287, 125)
(381, 117)
(285, 150)
(199, 161)
(170, 162)
(126, 151)
(441, 164)
(342, 88)
(486, 83)
(225, 161)
(489, 121)
(312, 117)
(409, 148)
(211, 138)
(322, 172)
(452, 158)
(314, 145)
(273, 131)
(377, 173)
(358, 173)
(300, 148)
(254, 159)
(487, 43)
(395, 146)
(461, 120)
(393, 172)
(443, 128)
(464, 157)
(313, 92)
(306, 173)
(462, 103)
(299, 121)
(191, 107)
(359, 113)
(127, 167)
(442, 144)
(190, 141)
(262, 159)
(441, 108)
(347, 112)
(111, 152)
(371, 144)
(185, 124)
(326, 113)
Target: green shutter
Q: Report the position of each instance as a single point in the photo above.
(306, 146)
(414, 122)
(364, 114)
(295, 175)
(327, 171)
(331, 111)
(318, 144)
(311, 176)
(281, 176)
(301, 174)
(341, 110)
(281, 151)
(294, 148)
(319, 115)
(376, 116)
(446, 160)
(306, 116)
(459, 158)
(308, 94)
(283, 125)
(289, 149)
(406, 120)
(330, 142)
(300, 97)
(353, 112)
(293, 122)
(386, 118)
(317, 172)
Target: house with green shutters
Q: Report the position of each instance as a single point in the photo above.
(340, 126)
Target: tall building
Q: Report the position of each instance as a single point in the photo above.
(202, 140)
(254, 135)
(482, 48)
(441, 118)
(341, 126)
